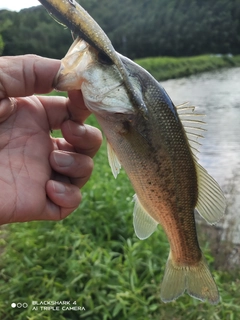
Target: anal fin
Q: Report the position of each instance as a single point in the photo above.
(144, 224)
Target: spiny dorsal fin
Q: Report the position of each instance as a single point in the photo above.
(193, 125)
(144, 224)
(211, 203)
(113, 161)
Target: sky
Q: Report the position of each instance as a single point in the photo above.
(16, 5)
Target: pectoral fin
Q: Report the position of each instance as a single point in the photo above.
(211, 203)
(144, 224)
(113, 161)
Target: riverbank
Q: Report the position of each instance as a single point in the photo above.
(163, 68)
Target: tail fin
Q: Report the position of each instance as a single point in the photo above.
(196, 280)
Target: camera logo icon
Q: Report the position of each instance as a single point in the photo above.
(19, 305)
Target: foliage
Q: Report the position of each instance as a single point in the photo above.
(1, 44)
(94, 259)
(170, 27)
(163, 68)
(143, 28)
(5, 24)
(33, 31)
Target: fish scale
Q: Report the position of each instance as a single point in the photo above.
(149, 197)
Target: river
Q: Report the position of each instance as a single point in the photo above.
(217, 95)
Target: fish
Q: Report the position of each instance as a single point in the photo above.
(158, 154)
(77, 19)
(156, 143)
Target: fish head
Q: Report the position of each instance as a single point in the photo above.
(91, 71)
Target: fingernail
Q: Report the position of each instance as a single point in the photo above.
(62, 159)
(59, 187)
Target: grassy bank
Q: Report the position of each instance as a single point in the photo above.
(163, 68)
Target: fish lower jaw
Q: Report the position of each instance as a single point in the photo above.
(65, 84)
(66, 81)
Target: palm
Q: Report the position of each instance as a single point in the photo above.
(25, 146)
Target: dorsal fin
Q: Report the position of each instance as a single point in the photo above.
(144, 224)
(113, 161)
(211, 203)
(193, 125)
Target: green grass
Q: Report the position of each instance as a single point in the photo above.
(163, 68)
(93, 259)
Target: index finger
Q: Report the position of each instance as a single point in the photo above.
(76, 107)
(25, 75)
(60, 109)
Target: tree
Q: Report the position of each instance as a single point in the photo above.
(136, 28)
(1, 45)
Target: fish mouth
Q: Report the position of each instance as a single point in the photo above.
(67, 77)
(63, 83)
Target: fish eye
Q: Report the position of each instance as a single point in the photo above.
(104, 59)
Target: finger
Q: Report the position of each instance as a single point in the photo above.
(76, 166)
(63, 200)
(76, 106)
(25, 75)
(56, 110)
(62, 144)
(7, 108)
(85, 139)
(59, 109)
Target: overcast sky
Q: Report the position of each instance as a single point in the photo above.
(16, 5)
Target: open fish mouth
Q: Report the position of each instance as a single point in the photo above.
(85, 69)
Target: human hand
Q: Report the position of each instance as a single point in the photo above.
(40, 176)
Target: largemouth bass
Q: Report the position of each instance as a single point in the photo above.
(156, 151)
(158, 159)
